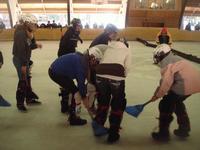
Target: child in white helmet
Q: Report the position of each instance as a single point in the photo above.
(110, 83)
(23, 45)
(179, 80)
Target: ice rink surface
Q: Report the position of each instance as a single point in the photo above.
(45, 128)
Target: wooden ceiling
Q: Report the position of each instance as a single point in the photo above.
(193, 3)
(65, 1)
(192, 8)
(60, 6)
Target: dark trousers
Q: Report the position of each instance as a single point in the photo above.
(66, 83)
(173, 103)
(111, 93)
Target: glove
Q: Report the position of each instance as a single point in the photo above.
(81, 41)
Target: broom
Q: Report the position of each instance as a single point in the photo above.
(135, 110)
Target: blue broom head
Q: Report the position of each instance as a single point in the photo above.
(134, 110)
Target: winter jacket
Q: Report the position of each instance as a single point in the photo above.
(116, 62)
(73, 66)
(23, 45)
(179, 76)
(68, 42)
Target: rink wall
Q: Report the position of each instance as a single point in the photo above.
(131, 33)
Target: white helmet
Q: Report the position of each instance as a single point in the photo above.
(96, 52)
(160, 52)
(29, 18)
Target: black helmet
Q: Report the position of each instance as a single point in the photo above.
(76, 22)
(110, 28)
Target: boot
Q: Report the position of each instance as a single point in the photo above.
(76, 121)
(22, 108)
(30, 93)
(183, 122)
(3, 102)
(99, 130)
(64, 103)
(20, 96)
(115, 119)
(113, 135)
(181, 133)
(73, 118)
(163, 134)
(184, 126)
(32, 102)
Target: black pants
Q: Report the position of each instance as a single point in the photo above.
(66, 83)
(173, 103)
(111, 93)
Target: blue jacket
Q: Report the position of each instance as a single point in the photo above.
(74, 66)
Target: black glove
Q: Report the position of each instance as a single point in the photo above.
(81, 41)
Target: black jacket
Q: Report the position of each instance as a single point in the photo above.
(68, 42)
(22, 45)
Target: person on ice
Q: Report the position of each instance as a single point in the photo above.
(74, 66)
(109, 34)
(68, 44)
(179, 80)
(110, 82)
(164, 37)
(22, 48)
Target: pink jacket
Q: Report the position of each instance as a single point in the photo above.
(179, 76)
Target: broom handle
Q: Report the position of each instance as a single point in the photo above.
(147, 102)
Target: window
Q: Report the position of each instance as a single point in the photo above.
(155, 4)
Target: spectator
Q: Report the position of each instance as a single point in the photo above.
(87, 26)
(95, 26)
(48, 25)
(188, 27)
(2, 25)
(54, 25)
(197, 27)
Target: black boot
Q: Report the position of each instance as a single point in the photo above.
(183, 122)
(22, 108)
(64, 103)
(113, 135)
(73, 118)
(76, 121)
(115, 119)
(163, 134)
(20, 96)
(181, 133)
(32, 102)
(30, 93)
(184, 126)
